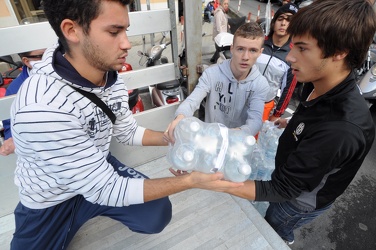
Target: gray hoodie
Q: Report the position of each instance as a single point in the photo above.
(236, 104)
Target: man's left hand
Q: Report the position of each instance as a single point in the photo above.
(8, 147)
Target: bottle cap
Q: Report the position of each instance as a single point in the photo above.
(195, 126)
(245, 169)
(250, 140)
(188, 156)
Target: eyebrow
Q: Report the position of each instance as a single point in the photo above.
(300, 43)
(244, 47)
(117, 26)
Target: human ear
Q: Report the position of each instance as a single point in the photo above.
(26, 62)
(70, 30)
(338, 56)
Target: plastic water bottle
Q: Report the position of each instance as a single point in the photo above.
(241, 142)
(211, 147)
(257, 162)
(187, 129)
(209, 138)
(270, 158)
(268, 144)
(271, 146)
(207, 163)
(269, 171)
(183, 157)
(271, 151)
(266, 130)
(213, 129)
(262, 171)
(236, 170)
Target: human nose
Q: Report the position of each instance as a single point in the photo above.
(245, 55)
(290, 57)
(125, 44)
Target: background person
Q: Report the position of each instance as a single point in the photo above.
(235, 90)
(27, 59)
(216, 4)
(209, 11)
(273, 65)
(220, 24)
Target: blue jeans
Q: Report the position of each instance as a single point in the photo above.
(54, 227)
(209, 16)
(284, 218)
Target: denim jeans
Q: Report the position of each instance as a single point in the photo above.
(284, 218)
(209, 16)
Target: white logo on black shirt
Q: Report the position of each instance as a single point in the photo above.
(299, 129)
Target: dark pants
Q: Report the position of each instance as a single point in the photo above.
(215, 55)
(284, 218)
(55, 227)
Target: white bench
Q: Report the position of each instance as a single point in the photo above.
(201, 219)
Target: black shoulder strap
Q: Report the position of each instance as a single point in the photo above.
(92, 97)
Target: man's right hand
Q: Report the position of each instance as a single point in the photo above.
(8, 147)
(169, 133)
(213, 182)
(281, 122)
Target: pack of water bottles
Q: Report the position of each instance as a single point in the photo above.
(212, 147)
(264, 152)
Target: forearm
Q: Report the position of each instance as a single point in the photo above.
(193, 101)
(247, 191)
(163, 187)
(254, 120)
(153, 138)
(158, 188)
(187, 107)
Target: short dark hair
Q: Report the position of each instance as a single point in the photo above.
(338, 26)
(81, 11)
(250, 30)
(287, 8)
(24, 54)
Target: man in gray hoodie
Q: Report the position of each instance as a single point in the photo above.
(235, 90)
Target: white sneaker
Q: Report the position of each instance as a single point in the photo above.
(289, 242)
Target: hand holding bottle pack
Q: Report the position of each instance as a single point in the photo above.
(211, 147)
